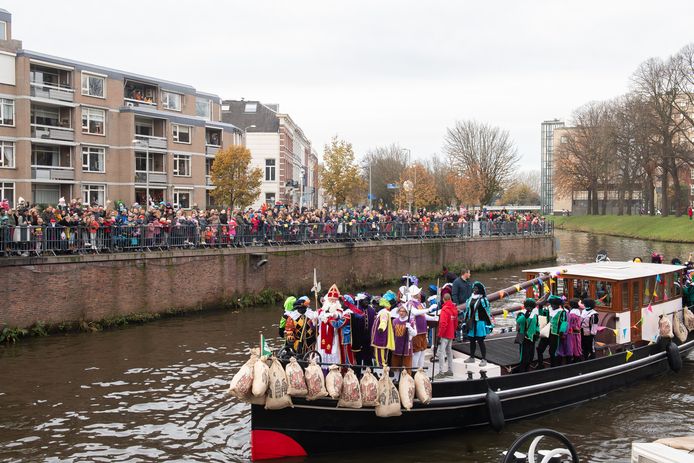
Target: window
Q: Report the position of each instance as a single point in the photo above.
(51, 156)
(691, 190)
(181, 133)
(171, 100)
(93, 85)
(251, 107)
(7, 192)
(181, 198)
(3, 30)
(93, 159)
(208, 166)
(181, 165)
(94, 194)
(203, 108)
(156, 162)
(93, 121)
(6, 111)
(270, 199)
(226, 107)
(144, 127)
(269, 170)
(45, 116)
(6, 154)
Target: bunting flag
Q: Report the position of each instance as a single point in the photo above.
(518, 288)
(501, 294)
(505, 313)
(615, 332)
(657, 278)
(625, 332)
(264, 349)
(546, 287)
(655, 294)
(629, 354)
(650, 308)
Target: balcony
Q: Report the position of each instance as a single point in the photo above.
(140, 94)
(48, 173)
(46, 132)
(152, 142)
(142, 177)
(211, 150)
(208, 180)
(52, 93)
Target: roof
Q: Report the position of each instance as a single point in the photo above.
(263, 118)
(612, 270)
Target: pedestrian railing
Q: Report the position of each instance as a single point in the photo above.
(29, 240)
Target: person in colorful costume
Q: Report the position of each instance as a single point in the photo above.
(419, 313)
(571, 343)
(361, 330)
(299, 332)
(403, 331)
(382, 337)
(557, 319)
(589, 328)
(288, 306)
(478, 319)
(528, 331)
(345, 324)
(330, 315)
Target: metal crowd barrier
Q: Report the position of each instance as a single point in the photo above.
(37, 240)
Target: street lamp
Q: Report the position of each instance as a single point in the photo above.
(252, 126)
(141, 143)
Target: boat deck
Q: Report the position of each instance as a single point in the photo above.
(501, 350)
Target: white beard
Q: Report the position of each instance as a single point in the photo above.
(332, 306)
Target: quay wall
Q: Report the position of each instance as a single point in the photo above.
(54, 290)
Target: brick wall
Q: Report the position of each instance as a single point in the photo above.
(56, 289)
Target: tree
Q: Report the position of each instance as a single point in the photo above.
(441, 171)
(423, 193)
(520, 194)
(236, 184)
(485, 155)
(582, 158)
(339, 174)
(384, 164)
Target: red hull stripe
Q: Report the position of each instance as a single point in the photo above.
(266, 445)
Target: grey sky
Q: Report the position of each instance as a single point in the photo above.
(375, 72)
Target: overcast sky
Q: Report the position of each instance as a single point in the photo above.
(375, 72)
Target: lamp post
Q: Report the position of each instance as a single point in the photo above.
(410, 189)
(252, 126)
(141, 143)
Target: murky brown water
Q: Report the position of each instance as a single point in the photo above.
(156, 392)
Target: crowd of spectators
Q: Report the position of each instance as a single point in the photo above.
(75, 226)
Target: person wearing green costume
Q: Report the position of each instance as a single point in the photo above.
(528, 333)
(559, 325)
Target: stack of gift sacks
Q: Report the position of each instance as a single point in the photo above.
(263, 381)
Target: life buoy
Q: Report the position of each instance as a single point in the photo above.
(496, 412)
(674, 359)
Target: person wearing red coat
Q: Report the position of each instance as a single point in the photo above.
(448, 321)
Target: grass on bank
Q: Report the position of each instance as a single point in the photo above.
(656, 228)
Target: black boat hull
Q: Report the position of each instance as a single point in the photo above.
(316, 427)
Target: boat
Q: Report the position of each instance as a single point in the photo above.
(633, 297)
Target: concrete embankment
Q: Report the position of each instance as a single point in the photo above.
(54, 290)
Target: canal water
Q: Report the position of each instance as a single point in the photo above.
(155, 392)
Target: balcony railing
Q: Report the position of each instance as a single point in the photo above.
(133, 102)
(152, 142)
(149, 177)
(53, 173)
(52, 92)
(47, 132)
(211, 150)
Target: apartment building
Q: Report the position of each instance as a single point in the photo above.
(547, 163)
(280, 149)
(76, 130)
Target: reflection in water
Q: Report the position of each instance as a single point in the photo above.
(156, 392)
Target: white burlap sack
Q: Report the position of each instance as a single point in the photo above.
(406, 390)
(242, 382)
(333, 382)
(422, 386)
(388, 397)
(665, 327)
(688, 319)
(315, 382)
(368, 387)
(295, 376)
(277, 397)
(678, 327)
(261, 377)
(350, 397)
